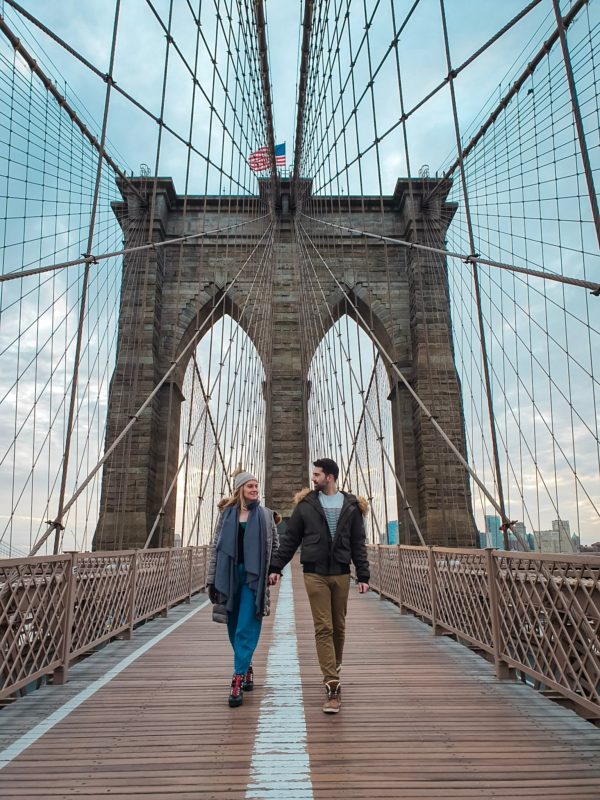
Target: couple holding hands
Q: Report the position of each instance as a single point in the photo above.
(246, 557)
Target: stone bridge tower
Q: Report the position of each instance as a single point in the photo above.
(404, 298)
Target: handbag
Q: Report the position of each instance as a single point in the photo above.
(219, 613)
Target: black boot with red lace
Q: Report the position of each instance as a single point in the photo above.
(236, 695)
(248, 684)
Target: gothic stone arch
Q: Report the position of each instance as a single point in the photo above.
(403, 293)
(170, 298)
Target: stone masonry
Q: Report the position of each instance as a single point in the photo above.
(168, 293)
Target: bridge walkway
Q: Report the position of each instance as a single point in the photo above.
(422, 717)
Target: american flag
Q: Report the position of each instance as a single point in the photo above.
(260, 160)
(280, 155)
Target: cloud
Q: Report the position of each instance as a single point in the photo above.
(515, 207)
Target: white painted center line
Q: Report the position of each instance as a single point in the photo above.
(280, 765)
(23, 742)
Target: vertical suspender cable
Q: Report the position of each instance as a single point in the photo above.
(57, 522)
(480, 320)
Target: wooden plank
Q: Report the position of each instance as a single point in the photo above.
(422, 717)
(176, 691)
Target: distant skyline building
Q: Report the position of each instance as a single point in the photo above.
(520, 530)
(519, 540)
(555, 540)
(494, 536)
(562, 526)
(392, 531)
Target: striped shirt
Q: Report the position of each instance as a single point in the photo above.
(332, 506)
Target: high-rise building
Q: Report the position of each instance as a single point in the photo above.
(520, 536)
(520, 529)
(562, 526)
(494, 535)
(392, 531)
(557, 539)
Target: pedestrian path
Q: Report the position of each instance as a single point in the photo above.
(422, 717)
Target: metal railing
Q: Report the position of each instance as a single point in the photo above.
(53, 609)
(538, 614)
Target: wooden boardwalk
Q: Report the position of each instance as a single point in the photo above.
(422, 717)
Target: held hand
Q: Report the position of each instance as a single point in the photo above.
(363, 587)
(274, 578)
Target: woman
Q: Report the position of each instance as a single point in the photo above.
(238, 572)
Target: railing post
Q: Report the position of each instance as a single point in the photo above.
(133, 569)
(502, 670)
(403, 572)
(379, 571)
(61, 672)
(399, 557)
(165, 610)
(190, 572)
(433, 589)
(205, 548)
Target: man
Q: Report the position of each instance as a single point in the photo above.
(329, 526)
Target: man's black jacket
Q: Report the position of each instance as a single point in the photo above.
(308, 527)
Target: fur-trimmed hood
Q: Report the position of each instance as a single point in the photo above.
(362, 502)
(308, 529)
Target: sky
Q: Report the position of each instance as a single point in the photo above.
(87, 28)
(519, 317)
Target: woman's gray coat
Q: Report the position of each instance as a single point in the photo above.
(271, 545)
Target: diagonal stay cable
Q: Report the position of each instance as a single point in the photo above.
(504, 102)
(385, 455)
(468, 259)
(95, 259)
(456, 71)
(516, 86)
(62, 101)
(217, 435)
(118, 439)
(408, 386)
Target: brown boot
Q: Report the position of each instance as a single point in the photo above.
(334, 697)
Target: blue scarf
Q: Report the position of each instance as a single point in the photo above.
(254, 559)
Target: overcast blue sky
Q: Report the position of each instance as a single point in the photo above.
(518, 317)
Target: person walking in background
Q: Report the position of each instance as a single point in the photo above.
(328, 525)
(244, 541)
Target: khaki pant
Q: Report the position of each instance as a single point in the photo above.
(328, 597)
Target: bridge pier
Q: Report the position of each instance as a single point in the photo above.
(286, 469)
(134, 475)
(169, 297)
